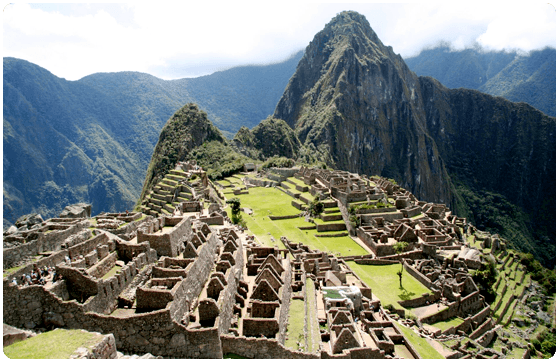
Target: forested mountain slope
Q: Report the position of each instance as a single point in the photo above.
(529, 78)
(91, 140)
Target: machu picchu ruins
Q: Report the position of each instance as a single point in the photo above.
(177, 278)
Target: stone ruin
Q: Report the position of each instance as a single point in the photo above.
(190, 284)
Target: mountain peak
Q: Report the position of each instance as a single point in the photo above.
(347, 17)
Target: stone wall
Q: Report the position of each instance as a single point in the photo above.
(484, 327)
(285, 217)
(12, 256)
(487, 338)
(104, 266)
(420, 301)
(52, 260)
(45, 242)
(260, 182)
(89, 245)
(256, 327)
(152, 332)
(197, 276)
(331, 227)
(261, 348)
(284, 172)
(168, 244)
(212, 220)
(419, 276)
(376, 262)
(391, 216)
(346, 218)
(376, 210)
(285, 305)
(131, 226)
(227, 296)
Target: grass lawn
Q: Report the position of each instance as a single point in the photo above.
(421, 345)
(295, 324)
(449, 323)
(56, 344)
(298, 181)
(10, 271)
(112, 272)
(384, 283)
(271, 201)
(313, 333)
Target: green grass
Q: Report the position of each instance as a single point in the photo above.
(421, 345)
(295, 324)
(319, 221)
(10, 271)
(112, 272)
(56, 344)
(332, 294)
(312, 323)
(384, 283)
(297, 181)
(271, 201)
(449, 323)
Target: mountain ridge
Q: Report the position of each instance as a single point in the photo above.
(356, 101)
(105, 126)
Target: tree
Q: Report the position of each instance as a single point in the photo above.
(236, 216)
(485, 277)
(316, 207)
(399, 248)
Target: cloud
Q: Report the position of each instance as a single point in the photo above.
(177, 39)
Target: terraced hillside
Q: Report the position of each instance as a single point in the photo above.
(274, 212)
(176, 187)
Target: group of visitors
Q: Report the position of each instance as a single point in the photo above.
(38, 276)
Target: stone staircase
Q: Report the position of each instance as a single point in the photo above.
(330, 223)
(168, 193)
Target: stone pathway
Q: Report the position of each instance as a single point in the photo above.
(424, 311)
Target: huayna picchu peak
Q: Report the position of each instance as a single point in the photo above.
(355, 105)
(373, 214)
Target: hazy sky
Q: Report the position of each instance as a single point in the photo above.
(191, 38)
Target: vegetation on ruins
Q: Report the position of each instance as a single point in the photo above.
(278, 161)
(485, 277)
(380, 278)
(236, 216)
(373, 205)
(399, 248)
(545, 277)
(492, 212)
(316, 207)
(218, 159)
(545, 342)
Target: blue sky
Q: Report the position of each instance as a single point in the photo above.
(184, 39)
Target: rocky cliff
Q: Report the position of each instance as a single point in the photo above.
(355, 104)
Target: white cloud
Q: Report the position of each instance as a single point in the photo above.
(169, 38)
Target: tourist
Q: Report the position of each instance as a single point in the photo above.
(14, 281)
